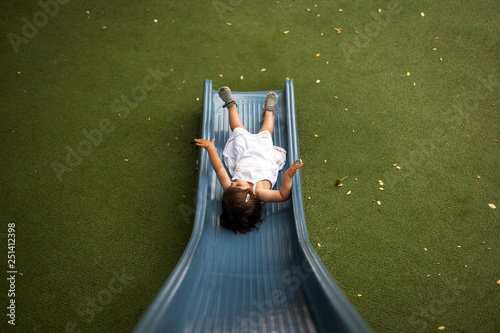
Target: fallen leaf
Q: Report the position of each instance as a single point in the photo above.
(379, 203)
(492, 206)
(339, 181)
(348, 193)
(441, 328)
(286, 32)
(317, 55)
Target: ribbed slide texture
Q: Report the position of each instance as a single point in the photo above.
(269, 280)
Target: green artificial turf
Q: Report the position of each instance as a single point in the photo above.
(98, 233)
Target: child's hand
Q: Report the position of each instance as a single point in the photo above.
(293, 169)
(205, 143)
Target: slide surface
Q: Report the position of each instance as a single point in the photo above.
(269, 280)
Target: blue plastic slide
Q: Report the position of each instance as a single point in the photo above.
(269, 280)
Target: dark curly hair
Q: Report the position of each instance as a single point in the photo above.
(238, 215)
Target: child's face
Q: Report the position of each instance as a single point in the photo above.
(241, 184)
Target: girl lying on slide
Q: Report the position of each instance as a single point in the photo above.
(253, 162)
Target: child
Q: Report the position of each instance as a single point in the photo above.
(253, 163)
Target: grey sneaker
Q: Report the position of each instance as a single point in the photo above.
(271, 101)
(225, 95)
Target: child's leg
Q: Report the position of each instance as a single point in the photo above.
(268, 112)
(234, 117)
(268, 124)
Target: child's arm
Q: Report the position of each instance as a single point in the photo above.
(217, 165)
(286, 188)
